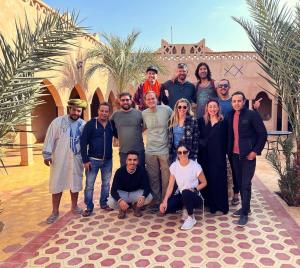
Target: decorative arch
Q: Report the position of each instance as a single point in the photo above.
(47, 111)
(78, 93)
(97, 98)
(265, 109)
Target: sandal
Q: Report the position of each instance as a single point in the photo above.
(52, 218)
(87, 213)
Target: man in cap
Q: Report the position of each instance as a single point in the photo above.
(61, 152)
(150, 84)
(177, 88)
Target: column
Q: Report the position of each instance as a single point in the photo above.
(250, 104)
(26, 142)
(274, 113)
(61, 110)
(284, 119)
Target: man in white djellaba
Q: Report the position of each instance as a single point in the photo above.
(61, 152)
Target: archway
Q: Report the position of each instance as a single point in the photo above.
(43, 114)
(78, 93)
(265, 109)
(97, 98)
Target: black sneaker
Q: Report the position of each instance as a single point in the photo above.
(242, 221)
(235, 201)
(237, 213)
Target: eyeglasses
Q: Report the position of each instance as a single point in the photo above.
(223, 86)
(181, 107)
(124, 100)
(182, 152)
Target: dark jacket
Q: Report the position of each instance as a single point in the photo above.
(127, 182)
(252, 132)
(176, 91)
(190, 137)
(96, 141)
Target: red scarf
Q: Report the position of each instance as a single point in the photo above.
(148, 87)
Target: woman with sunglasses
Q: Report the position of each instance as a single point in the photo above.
(183, 127)
(190, 179)
(212, 156)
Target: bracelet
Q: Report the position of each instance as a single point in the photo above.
(121, 199)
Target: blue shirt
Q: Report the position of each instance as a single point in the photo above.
(178, 132)
(225, 106)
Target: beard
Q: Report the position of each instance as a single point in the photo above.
(182, 76)
(126, 107)
(74, 117)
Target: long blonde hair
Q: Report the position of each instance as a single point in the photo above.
(206, 114)
(174, 119)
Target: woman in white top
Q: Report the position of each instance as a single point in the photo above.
(190, 179)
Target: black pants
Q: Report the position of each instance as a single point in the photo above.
(235, 187)
(244, 170)
(187, 198)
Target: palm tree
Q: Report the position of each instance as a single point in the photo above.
(118, 56)
(275, 35)
(34, 50)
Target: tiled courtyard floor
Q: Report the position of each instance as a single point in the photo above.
(271, 239)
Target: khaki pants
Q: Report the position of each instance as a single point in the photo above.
(157, 167)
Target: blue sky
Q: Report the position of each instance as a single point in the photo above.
(191, 20)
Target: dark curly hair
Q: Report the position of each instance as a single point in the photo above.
(208, 71)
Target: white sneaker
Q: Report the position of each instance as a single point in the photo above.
(188, 223)
(184, 215)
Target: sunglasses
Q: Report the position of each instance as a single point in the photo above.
(182, 152)
(124, 100)
(182, 107)
(223, 86)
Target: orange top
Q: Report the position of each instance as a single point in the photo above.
(148, 87)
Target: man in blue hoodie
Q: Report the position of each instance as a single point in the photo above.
(96, 152)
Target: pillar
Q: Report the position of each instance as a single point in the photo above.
(274, 113)
(250, 104)
(26, 142)
(284, 120)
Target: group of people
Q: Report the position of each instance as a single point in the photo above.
(195, 135)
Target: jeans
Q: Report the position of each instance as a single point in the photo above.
(129, 198)
(105, 167)
(123, 157)
(244, 170)
(190, 200)
(157, 167)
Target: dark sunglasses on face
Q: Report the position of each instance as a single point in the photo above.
(223, 86)
(181, 107)
(182, 152)
(124, 100)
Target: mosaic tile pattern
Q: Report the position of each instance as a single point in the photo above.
(103, 240)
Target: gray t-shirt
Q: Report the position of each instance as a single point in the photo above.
(129, 126)
(156, 124)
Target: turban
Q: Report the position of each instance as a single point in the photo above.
(77, 102)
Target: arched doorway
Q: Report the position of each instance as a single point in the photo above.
(43, 114)
(265, 109)
(97, 98)
(78, 93)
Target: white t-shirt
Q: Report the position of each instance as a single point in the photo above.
(186, 176)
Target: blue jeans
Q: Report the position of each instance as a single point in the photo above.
(105, 167)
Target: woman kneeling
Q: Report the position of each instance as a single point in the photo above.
(190, 179)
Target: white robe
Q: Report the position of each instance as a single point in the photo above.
(62, 145)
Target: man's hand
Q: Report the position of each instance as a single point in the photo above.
(123, 205)
(87, 166)
(48, 162)
(251, 155)
(140, 201)
(163, 207)
(256, 104)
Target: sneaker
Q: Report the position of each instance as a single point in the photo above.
(122, 214)
(188, 223)
(137, 212)
(184, 215)
(235, 201)
(242, 221)
(237, 213)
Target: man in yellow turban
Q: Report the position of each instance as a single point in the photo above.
(62, 153)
